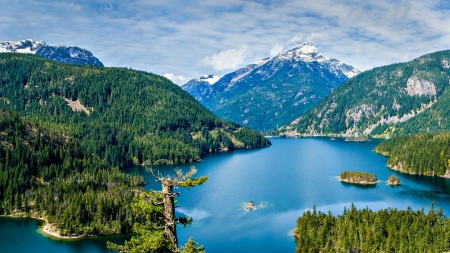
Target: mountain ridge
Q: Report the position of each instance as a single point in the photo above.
(401, 98)
(65, 54)
(273, 91)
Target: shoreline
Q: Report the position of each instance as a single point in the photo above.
(394, 168)
(351, 182)
(45, 229)
(47, 232)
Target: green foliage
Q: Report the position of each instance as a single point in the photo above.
(158, 211)
(134, 117)
(388, 230)
(148, 241)
(358, 177)
(423, 154)
(363, 101)
(51, 175)
(186, 181)
(393, 180)
(191, 247)
(150, 231)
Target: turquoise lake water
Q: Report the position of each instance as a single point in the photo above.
(288, 178)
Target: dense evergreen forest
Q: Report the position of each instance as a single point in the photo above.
(127, 117)
(66, 130)
(387, 230)
(46, 174)
(422, 154)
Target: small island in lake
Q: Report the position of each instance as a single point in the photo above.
(250, 205)
(393, 180)
(357, 177)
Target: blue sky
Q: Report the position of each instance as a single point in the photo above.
(184, 39)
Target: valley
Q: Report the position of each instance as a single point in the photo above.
(77, 141)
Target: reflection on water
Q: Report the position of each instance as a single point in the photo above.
(361, 186)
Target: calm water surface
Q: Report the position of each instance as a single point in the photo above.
(288, 178)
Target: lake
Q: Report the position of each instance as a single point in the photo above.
(288, 178)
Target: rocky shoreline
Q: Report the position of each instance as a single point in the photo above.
(361, 182)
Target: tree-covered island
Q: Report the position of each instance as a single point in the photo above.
(393, 180)
(357, 177)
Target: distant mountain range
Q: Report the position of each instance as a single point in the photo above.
(66, 54)
(272, 91)
(398, 99)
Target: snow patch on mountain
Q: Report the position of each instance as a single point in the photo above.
(210, 78)
(307, 52)
(66, 54)
(22, 46)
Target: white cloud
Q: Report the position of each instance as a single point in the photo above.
(295, 40)
(179, 80)
(170, 37)
(229, 59)
(276, 49)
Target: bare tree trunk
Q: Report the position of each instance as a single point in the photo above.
(170, 229)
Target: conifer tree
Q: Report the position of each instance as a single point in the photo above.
(158, 233)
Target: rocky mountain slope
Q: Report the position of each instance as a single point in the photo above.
(401, 98)
(274, 91)
(200, 86)
(66, 54)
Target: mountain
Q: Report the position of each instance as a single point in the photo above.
(274, 91)
(402, 98)
(126, 117)
(66, 54)
(199, 86)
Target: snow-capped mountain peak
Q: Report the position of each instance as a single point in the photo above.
(66, 54)
(21, 46)
(210, 78)
(307, 52)
(304, 52)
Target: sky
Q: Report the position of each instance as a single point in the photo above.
(181, 39)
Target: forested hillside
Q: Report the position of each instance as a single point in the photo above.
(423, 154)
(387, 230)
(127, 117)
(401, 98)
(46, 174)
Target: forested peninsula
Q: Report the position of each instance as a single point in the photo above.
(66, 130)
(387, 230)
(421, 154)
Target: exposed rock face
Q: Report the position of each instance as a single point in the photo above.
(250, 205)
(402, 98)
(445, 64)
(418, 87)
(76, 106)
